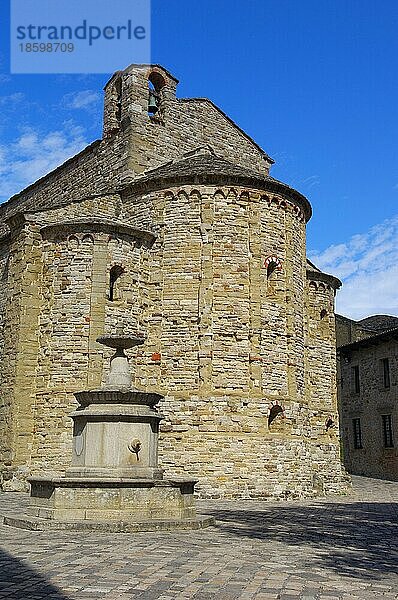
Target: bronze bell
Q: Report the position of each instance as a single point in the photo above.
(153, 103)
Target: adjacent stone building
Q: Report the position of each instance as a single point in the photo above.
(368, 394)
(171, 226)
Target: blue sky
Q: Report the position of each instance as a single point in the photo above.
(315, 84)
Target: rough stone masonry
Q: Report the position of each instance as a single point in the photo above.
(171, 226)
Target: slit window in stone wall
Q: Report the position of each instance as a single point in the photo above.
(274, 412)
(115, 273)
(356, 429)
(385, 372)
(355, 380)
(271, 269)
(387, 431)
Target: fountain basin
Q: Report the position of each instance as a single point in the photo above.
(120, 342)
(109, 505)
(109, 395)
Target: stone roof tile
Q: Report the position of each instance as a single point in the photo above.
(202, 164)
(379, 323)
(204, 167)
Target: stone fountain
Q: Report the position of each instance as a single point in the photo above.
(114, 482)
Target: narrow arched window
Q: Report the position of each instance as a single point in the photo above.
(155, 85)
(271, 268)
(115, 273)
(274, 412)
(272, 264)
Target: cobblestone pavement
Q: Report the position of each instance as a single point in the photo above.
(342, 548)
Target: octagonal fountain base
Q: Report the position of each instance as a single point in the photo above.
(114, 482)
(112, 505)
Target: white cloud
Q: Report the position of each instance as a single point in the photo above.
(11, 99)
(368, 266)
(85, 99)
(34, 154)
(311, 181)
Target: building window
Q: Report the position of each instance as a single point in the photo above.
(356, 427)
(155, 85)
(114, 275)
(153, 101)
(271, 268)
(387, 431)
(274, 412)
(386, 372)
(272, 264)
(355, 379)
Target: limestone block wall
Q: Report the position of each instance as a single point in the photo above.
(93, 171)
(321, 345)
(181, 125)
(136, 143)
(57, 304)
(64, 331)
(21, 305)
(320, 356)
(5, 400)
(204, 125)
(226, 340)
(231, 343)
(77, 311)
(368, 405)
(4, 254)
(215, 277)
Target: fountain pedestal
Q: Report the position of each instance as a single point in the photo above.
(114, 482)
(115, 434)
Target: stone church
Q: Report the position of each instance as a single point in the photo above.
(171, 226)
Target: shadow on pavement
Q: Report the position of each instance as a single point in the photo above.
(19, 581)
(355, 539)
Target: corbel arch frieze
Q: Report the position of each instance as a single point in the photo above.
(283, 204)
(322, 282)
(87, 230)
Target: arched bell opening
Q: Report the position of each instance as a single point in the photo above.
(155, 85)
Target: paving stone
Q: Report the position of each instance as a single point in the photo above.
(340, 548)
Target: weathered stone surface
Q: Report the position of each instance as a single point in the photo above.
(104, 499)
(38, 524)
(340, 548)
(367, 410)
(227, 337)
